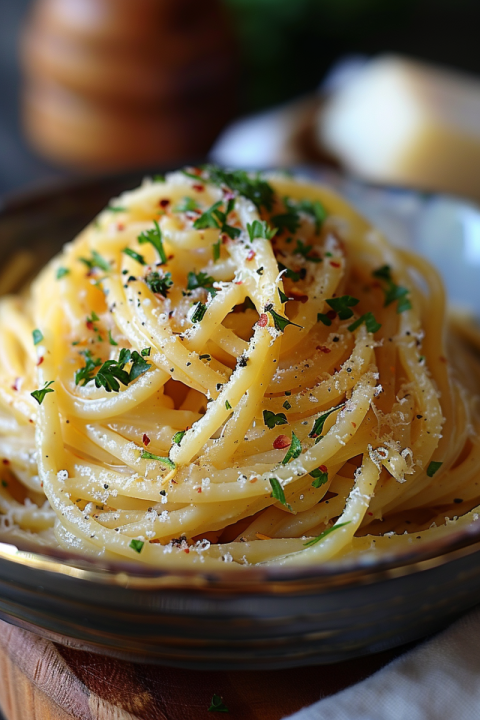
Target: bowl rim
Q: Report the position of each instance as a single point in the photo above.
(347, 571)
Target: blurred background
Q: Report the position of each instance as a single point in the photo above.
(101, 85)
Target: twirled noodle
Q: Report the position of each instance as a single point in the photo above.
(226, 367)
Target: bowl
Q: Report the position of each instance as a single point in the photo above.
(263, 617)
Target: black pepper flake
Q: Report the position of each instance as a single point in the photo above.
(457, 500)
(105, 486)
(163, 492)
(242, 361)
(336, 338)
(218, 386)
(188, 364)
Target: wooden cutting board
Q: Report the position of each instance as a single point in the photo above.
(40, 680)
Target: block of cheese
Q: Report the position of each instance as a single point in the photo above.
(403, 122)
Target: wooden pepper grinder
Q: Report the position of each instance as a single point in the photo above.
(110, 84)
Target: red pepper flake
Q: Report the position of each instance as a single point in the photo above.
(443, 359)
(31, 421)
(335, 264)
(40, 361)
(225, 239)
(369, 513)
(198, 187)
(323, 469)
(239, 282)
(187, 550)
(170, 257)
(251, 254)
(331, 314)
(5, 461)
(89, 324)
(15, 384)
(146, 439)
(282, 441)
(199, 490)
(120, 226)
(254, 480)
(262, 320)
(354, 424)
(323, 349)
(164, 203)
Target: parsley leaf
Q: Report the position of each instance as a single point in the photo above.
(117, 208)
(227, 405)
(324, 319)
(96, 261)
(279, 321)
(188, 204)
(110, 339)
(287, 405)
(392, 290)
(433, 467)
(290, 274)
(208, 219)
(201, 280)
(370, 323)
(164, 460)
(255, 189)
(137, 545)
(320, 476)
(112, 371)
(177, 438)
(259, 229)
(283, 298)
(139, 365)
(316, 210)
(216, 218)
(294, 450)
(287, 221)
(146, 352)
(85, 374)
(324, 534)
(159, 284)
(159, 178)
(198, 313)
(216, 250)
(342, 306)
(39, 395)
(320, 421)
(271, 420)
(278, 493)
(154, 237)
(37, 336)
(134, 255)
(305, 250)
(217, 705)
(62, 272)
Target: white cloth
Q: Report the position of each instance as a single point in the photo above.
(440, 680)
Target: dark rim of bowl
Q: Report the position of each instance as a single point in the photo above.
(369, 567)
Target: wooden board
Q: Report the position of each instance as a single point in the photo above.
(40, 680)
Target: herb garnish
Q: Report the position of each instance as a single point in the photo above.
(217, 705)
(305, 250)
(39, 395)
(324, 319)
(110, 338)
(86, 373)
(316, 210)
(320, 422)
(342, 306)
(159, 284)
(287, 405)
(294, 451)
(37, 336)
(287, 221)
(271, 419)
(392, 290)
(112, 371)
(433, 467)
(154, 237)
(198, 313)
(227, 405)
(290, 274)
(255, 189)
(320, 476)
(201, 280)
(324, 534)
(177, 438)
(370, 323)
(279, 321)
(188, 204)
(259, 229)
(62, 272)
(96, 261)
(137, 545)
(164, 460)
(116, 208)
(278, 493)
(134, 255)
(216, 218)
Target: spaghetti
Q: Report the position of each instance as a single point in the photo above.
(234, 368)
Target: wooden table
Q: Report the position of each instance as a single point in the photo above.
(40, 680)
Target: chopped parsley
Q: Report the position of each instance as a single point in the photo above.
(271, 419)
(324, 319)
(217, 705)
(159, 284)
(39, 395)
(227, 405)
(85, 375)
(305, 250)
(37, 336)
(324, 534)
(287, 405)
(342, 306)
(278, 493)
(201, 280)
(159, 178)
(146, 352)
(283, 298)
(164, 460)
(290, 274)
(370, 323)
(177, 438)
(198, 313)
(216, 250)
(137, 545)
(96, 261)
(216, 218)
(154, 237)
(255, 189)
(110, 338)
(289, 220)
(279, 321)
(117, 208)
(259, 229)
(294, 450)
(112, 371)
(188, 204)
(320, 476)
(316, 210)
(317, 428)
(433, 468)
(392, 291)
(134, 255)
(62, 272)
